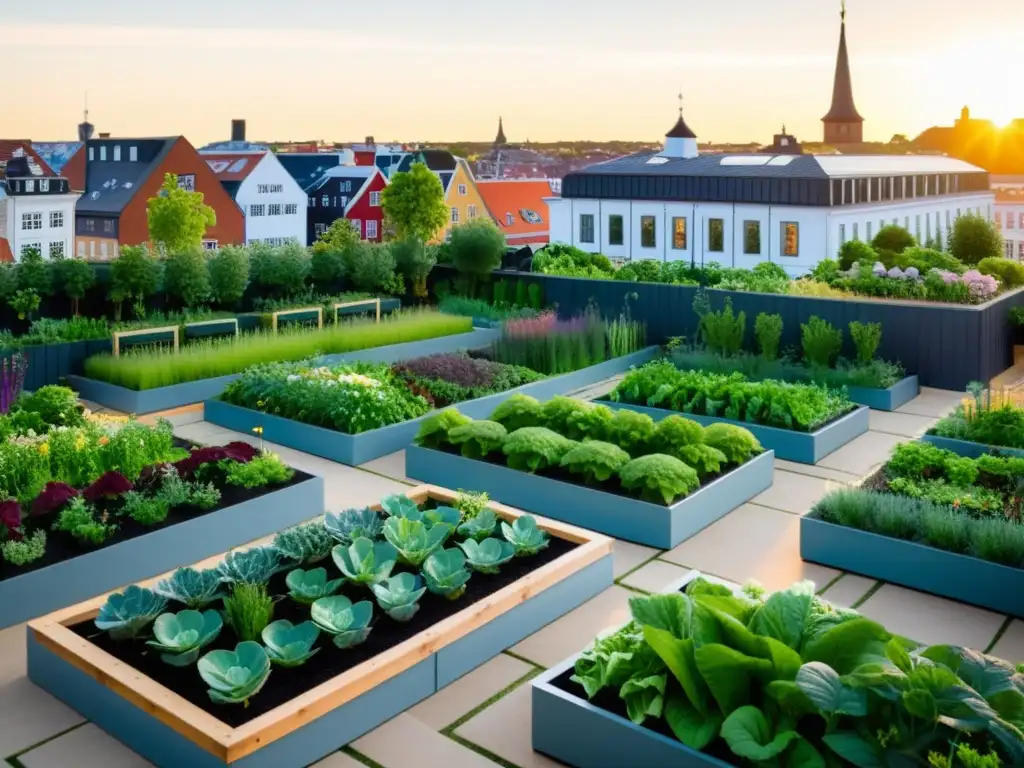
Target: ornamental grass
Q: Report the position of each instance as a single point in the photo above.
(151, 368)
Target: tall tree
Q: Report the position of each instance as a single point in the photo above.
(975, 238)
(178, 219)
(414, 204)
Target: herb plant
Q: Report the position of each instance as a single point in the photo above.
(821, 342)
(248, 609)
(768, 329)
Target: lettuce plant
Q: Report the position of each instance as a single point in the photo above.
(703, 458)
(518, 411)
(445, 573)
(109, 485)
(182, 635)
(354, 524)
(595, 460)
(525, 536)
(633, 432)
(194, 589)
(674, 432)
(290, 645)
(478, 438)
(433, 432)
(306, 587)
(364, 561)
(414, 540)
(479, 527)
(337, 616)
(450, 516)
(308, 543)
(235, 676)
(659, 478)
(737, 443)
(534, 448)
(590, 423)
(54, 496)
(488, 555)
(249, 566)
(127, 613)
(400, 505)
(399, 595)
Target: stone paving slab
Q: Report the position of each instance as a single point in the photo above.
(655, 577)
(470, 691)
(338, 760)
(816, 470)
(1010, 645)
(863, 454)
(795, 493)
(933, 402)
(626, 556)
(505, 729)
(848, 590)
(85, 747)
(405, 741)
(906, 424)
(29, 715)
(392, 465)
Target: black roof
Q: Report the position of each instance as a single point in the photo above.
(799, 167)
(680, 130)
(109, 185)
(308, 168)
(436, 160)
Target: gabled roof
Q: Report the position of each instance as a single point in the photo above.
(523, 200)
(110, 185)
(307, 168)
(57, 153)
(23, 148)
(437, 160)
(232, 167)
(361, 175)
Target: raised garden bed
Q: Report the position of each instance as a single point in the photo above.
(128, 400)
(969, 449)
(365, 446)
(801, 447)
(643, 522)
(900, 393)
(304, 713)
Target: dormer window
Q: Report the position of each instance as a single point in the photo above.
(509, 219)
(92, 155)
(44, 185)
(30, 185)
(133, 154)
(117, 153)
(103, 154)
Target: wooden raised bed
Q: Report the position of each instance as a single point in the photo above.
(171, 731)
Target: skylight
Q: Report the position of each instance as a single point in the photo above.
(781, 160)
(745, 160)
(238, 166)
(657, 160)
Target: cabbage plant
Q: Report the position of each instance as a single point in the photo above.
(250, 566)
(182, 635)
(348, 623)
(194, 589)
(446, 574)
(307, 543)
(487, 555)
(414, 541)
(525, 536)
(353, 524)
(448, 515)
(364, 561)
(290, 645)
(235, 676)
(399, 596)
(401, 505)
(306, 587)
(127, 613)
(479, 527)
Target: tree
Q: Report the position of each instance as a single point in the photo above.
(187, 277)
(414, 204)
(899, 138)
(476, 248)
(893, 238)
(229, 275)
(134, 275)
(75, 277)
(178, 219)
(414, 261)
(974, 238)
(338, 237)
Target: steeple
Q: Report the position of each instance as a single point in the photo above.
(843, 123)
(500, 140)
(85, 128)
(680, 141)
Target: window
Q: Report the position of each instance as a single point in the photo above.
(90, 225)
(44, 185)
(133, 154)
(357, 225)
(319, 229)
(648, 237)
(26, 247)
(103, 249)
(375, 199)
(856, 234)
(290, 209)
(57, 249)
(117, 153)
(679, 233)
(274, 209)
(1020, 251)
(81, 249)
(56, 219)
(509, 219)
(31, 221)
(615, 230)
(716, 235)
(752, 237)
(325, 201)
(257, 210)
(371, 229)
(1008, 249)
(103, 154)
(455, 215)
(790, 238)
(917, 227)
(187, 182)
(462, 190)
(30, 185)
(1010, 223)
(269, 189)
(312, 202)
(842, 234)
(209, 245)
(108, 225)
(92, 155)
(471, 211)
(586, 227)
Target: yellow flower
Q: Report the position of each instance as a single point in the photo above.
(44, 449)
(258, 430)
(80, 442)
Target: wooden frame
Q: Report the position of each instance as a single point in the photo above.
(215, 322)
(343, 304)
(227, 745)
(116, 337)
(275, 315)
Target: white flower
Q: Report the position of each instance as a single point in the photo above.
(293, 377)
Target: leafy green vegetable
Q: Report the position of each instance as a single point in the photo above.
(290, 645)
(306, 587)
(308, 543)
(446, 574)
(354, 524)
(349, 624)
(478, 438)
(399, 595)
(479, 527)
(235, 676)
(127, 613)
(534, 448)
(413, 540)
(488, 555)
(249, 566)
(364, 561)
(595, 460)
(525, 536)
(659, 478)
(195, 589)
(182, 635)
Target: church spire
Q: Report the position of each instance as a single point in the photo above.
(843, 123)
(500, 140)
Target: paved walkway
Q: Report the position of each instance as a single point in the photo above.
(483, 719)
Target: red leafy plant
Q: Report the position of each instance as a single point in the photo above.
(109, 485)
(457, 369)
(10, 520)
(238, 451)
(53, 497)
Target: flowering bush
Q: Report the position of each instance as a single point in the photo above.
(982, 287)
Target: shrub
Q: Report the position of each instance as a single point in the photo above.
(821, 341)
(866, 337)
(1010, 273)
(327, 265)
(825, 270)
(339, 235)
(433, 432)
(75, 277)
(33, 273)
(595, 460)
(737, 443)
(265, 469)
(723, 331)
(647, 270)
(556, 413)
(186, 277)
(370, 266)
(229, 275)
(975, 238)
(281, 271)
(925, 259)
(659, 478)
(768, 329)
(853, 252)
(627, 273)
(414, 261)
(56, 406)
(517, 412)
(893, 238)
(478, 439)
(703, 458)
(631, 431)
(673, 433)
(916, 460)
(134, 276)
(477, 247)
(534, 448)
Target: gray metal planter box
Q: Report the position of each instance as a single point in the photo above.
(969, 449)
(366, 446)
(801, 447)
(619, 516)
(917, 566)
(900, 393)
(164, 398)
(56, 586)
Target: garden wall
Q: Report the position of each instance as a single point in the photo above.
(946, 345)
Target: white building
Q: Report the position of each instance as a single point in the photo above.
(1009, 214)
(37, 207)
(781, 206)
(272, 201)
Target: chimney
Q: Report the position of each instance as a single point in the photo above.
(104, 135)
(238, 130)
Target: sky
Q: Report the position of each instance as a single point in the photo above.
(444, 70)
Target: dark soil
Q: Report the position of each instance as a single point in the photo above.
(286, 684)
(62, 546)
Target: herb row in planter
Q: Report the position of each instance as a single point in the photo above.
(269, 623)
(991, 419)
(620, 452)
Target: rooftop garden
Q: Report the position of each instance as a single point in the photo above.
(991, 419)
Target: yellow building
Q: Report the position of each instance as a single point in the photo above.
(462, 198)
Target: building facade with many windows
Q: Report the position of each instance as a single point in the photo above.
(1009, 218)
(37, 207)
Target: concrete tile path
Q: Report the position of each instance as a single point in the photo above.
(483, 719)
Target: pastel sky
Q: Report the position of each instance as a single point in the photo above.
(444, 70)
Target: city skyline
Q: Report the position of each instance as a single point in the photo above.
(403, 72)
